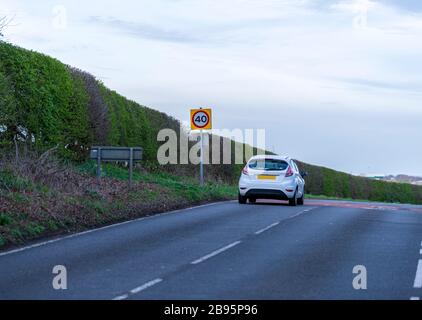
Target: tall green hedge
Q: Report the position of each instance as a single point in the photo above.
(56, 105)
(130, 125)
(43, 102)
(324, 181)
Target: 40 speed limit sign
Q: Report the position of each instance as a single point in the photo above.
(200, 119)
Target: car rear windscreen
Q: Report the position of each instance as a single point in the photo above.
(268, 164)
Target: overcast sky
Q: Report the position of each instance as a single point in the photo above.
(335, 83)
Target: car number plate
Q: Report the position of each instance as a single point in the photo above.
(266, 177)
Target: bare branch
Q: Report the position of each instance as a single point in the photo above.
(46, 154)
(4, 22)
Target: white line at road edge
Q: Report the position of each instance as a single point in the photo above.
(139, 289)
(267, 228)
(214, 253)
(414, 298)
(106, 227)
(418, 277)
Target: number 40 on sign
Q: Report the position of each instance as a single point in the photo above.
(200, 119)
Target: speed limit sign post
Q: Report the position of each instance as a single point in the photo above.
(201, 119)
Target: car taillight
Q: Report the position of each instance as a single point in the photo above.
(245, 170)
(289, 172)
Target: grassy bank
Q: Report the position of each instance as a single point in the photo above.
(31, 210)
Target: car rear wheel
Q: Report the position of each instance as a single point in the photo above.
(242, 199)
(293, 201)
(300, 200)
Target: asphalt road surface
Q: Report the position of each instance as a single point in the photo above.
(231, 251)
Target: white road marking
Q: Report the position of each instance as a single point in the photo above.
(106, 227)
(145, 286)
(418, 277)
(414, 298)
(139, 289)
(267, 228)
(291, 217)
(216, 252)
(300, 212)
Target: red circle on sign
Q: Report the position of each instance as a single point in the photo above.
(193, 119)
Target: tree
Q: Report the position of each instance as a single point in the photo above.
(4, 22)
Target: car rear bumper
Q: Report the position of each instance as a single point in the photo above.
(266, 194)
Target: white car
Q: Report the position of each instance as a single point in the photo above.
(272, 177)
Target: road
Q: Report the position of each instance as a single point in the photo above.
(231, 251)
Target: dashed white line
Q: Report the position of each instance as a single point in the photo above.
(418, 277)
(146, 286)
(414, 298)
(277, 223)
(267, 228)
(295, 215)
(139, 289)
(300, 212)
(216, 252)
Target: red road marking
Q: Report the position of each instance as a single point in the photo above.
(344, 204)
(368, 206)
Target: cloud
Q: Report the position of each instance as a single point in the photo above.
(407, 5)
(405, 86)
(144, 30)
(206, 22)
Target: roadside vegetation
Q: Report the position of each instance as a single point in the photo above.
(331, 183)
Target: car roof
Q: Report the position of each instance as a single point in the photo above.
(269, 156)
